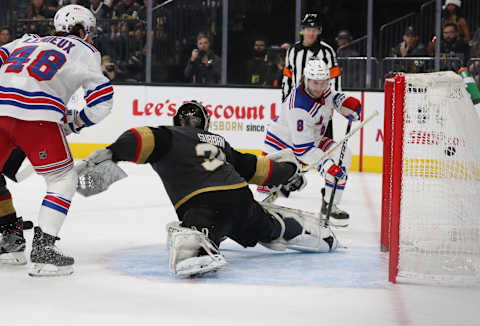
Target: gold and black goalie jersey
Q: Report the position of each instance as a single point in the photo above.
(192, 161)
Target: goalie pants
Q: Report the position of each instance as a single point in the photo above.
(46, 147)
(232, 213)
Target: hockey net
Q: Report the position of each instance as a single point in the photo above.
(431, 179)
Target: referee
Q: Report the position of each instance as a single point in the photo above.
(298, 55)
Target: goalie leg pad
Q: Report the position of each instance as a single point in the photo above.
(191, 252)
(313, 235)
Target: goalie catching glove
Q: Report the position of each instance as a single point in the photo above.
(97, 172)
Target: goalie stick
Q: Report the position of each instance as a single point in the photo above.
(274, 193)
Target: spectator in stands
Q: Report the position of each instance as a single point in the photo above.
(475, 44)
(452, 14)
(102, 13)
(52, 4)
(354, 70)
(100, 10)
(135, 67)
(160, 44)
(20, 8)
(278, 64)
(258, 70)
(109, 68)
(343, 39)
(474, 65)
(5, 36)
(113, 43)
(39, 11)
(204, 66)
(410, 45)
(127, 9)
(452, 45)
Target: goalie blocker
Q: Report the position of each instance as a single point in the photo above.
(206, 181)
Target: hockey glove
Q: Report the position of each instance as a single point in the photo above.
(336, 171)
(353, 108)
(296, 183)
(74, 123)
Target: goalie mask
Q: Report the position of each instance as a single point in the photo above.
(193, 115)
(316, 77)
(69, 16)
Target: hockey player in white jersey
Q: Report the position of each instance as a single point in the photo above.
(38, 75)
(301, 126)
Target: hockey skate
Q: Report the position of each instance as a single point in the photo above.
(12, 244)
(301, 231)
(46, 258)
(338, 217)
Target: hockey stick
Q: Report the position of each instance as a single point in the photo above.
(347, 136)
(275, 191)
(340, 162)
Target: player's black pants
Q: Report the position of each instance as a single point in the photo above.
(232, 213)
(12, 165)
(7, 212)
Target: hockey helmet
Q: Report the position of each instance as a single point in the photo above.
(192, 114)
(71, 15)
(316, 69)
(312, 20)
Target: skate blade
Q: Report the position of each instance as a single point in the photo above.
(48, 270)
(13, 258)
(338, 223)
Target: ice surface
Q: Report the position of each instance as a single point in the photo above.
(121, 275)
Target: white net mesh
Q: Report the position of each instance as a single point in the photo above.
(440, 204)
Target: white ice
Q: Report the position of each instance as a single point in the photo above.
(132, 215)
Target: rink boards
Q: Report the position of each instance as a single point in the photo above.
(239, 114)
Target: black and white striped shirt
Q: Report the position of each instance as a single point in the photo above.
(296, 58)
